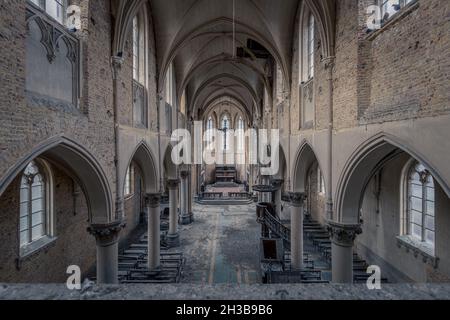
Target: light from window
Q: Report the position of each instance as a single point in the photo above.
(169, 85)
(390, 7)
(241, 135)
(320, 181)
(136, 49)
(225, 129)
(183, 103)
(128, 177)
(311, 47)
(421, 204)
(32, 205)
(209, 127)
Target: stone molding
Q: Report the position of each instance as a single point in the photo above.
(184, 174)
(297, 198)
(173, 183)
(106, 234)
(343, 234)
(277, 183)
(152, 200)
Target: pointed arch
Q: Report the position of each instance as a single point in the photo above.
(361, 167)
(145, 159)
(306, 157)
(80, 165)
(170, 169)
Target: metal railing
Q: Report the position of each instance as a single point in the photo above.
(277, 228)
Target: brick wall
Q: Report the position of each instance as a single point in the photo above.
(73, 244)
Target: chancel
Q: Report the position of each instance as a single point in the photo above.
(93, 95)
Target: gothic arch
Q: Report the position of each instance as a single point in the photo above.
(305, 158)
(144, 158)
(81, 165)
(324, 15)
(170, 169)
(363, 164)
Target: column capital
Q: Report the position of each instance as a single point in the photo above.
(116, 65)
(297, 198)
(152, 200)
(329, 62)
(277, 183)
(106, 234)
(173, 183)
(343, 234)
(184, 174)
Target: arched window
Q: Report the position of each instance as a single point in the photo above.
(320, 182)
(241, 134)
(128, 191)
(390, 7)
(183, 103)
(307, 67)
(136, 49)
(420, 204)
(35, 206)
(169, 85)
(139, 72)
(310, 47)
(225, 130)
(209, 127)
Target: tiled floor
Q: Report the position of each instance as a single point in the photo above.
(221, 246)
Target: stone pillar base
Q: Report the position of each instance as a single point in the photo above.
(187, 218)
(173, 240)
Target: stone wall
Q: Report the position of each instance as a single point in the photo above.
(26, 122)
(381, 219)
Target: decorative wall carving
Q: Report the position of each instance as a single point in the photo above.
(343, 234)
(59, 79)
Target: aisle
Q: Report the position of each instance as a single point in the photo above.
(221, 246)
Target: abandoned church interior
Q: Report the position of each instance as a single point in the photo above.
(92, 92)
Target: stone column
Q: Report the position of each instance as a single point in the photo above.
(190, 196)
(297, 200)
(173, 237)
(186, 216)
(277, 183)
(329, 63)
(152, 203)
(107, 236)
(265, 196)
(342, 237)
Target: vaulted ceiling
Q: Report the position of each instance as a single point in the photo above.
(201, 38)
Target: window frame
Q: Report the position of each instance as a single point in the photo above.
(406, 234)
(240, 128)
(128, 182)
(140, 69)
(320, 182)
(43, 6)
(307, 68)
(48, 234)
(310, 53)
(401, 4)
